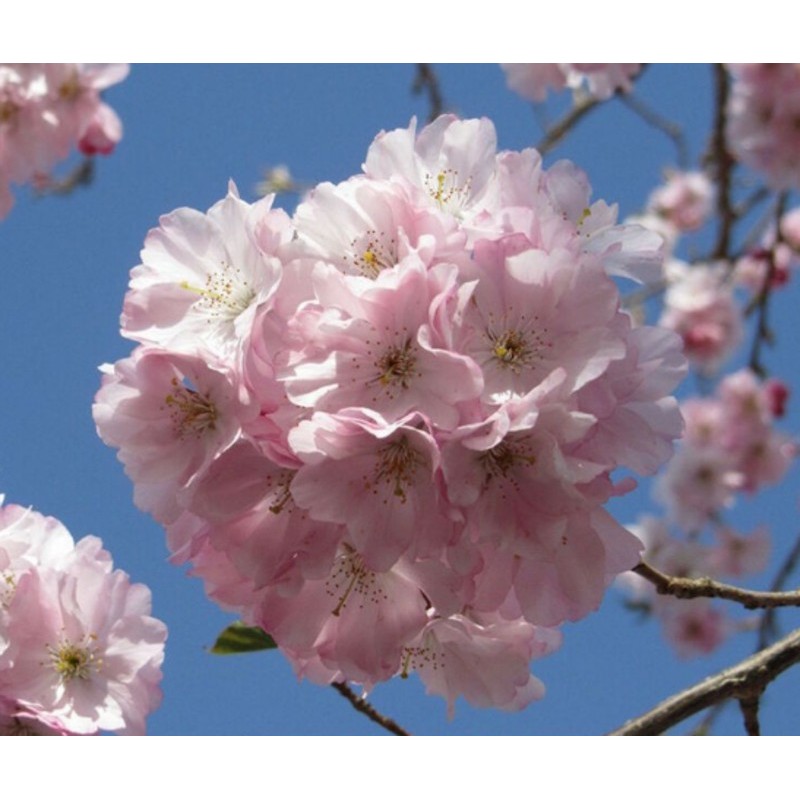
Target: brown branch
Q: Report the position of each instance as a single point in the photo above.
(723, 163)
(561, 128)
(761, 304)
(81, 175)
(744, 680)
(426, 80)
(655, 120)
(749, 706)
(766, 629)
(361, 705)
(687, 588)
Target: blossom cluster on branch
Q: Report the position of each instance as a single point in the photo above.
(384, 429)
(730, 447)
(45, 111)
(79, 651)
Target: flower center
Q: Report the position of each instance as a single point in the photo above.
(191, 412)
(71, 88)
(396, 365)
(427, 655)
(8, 110)
(350, 579)
(505, 457)
(226, 293)
(278, 487)
(397, 465)
(511, 350)
(446, 190)
(72, 661)
(7, 588)
(372, 253)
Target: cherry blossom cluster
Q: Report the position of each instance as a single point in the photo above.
(599, 81)
(45, 111)
(79, 651)
(384, 429)
(684, 202)
(769, 264)
(705, 303)
(730, 446)
(701, 306)
(699, 626)
(762, 120)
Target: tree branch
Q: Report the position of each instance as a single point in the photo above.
(766, 629)
(745, 680)
(723, 163)
(655, 120)
(761, 305)
(749, 706)
(426, 80)
(361, 705)
(687, 588)
(561, 128)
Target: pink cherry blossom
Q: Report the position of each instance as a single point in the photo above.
(600, 81)
(762, 112)
(685, 200)
(169, 415)
(79, 651)
(700, 307)
(397, 448)
(45, 111)
(203, 276)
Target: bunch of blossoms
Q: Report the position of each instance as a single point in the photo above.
(45, 111)
(684, 202)
(730, 446)
(701, 307)
(762, 116)
(599, 81)
(384, 430)
(770, 264)
(79, 651)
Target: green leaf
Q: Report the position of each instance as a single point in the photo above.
(241, 638)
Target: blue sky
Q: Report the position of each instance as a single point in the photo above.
(65, 264)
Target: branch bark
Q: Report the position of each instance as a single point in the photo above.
(427, 80)
(746, 680)
(688, 588)
(362, 706)
(763, 332)
(561, 128)
(723, 163)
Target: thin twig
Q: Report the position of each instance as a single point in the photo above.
(749, 203)
(81, 175)
(766, 629)
(763, 333)
(426, 80)
(723, 163)
(563, 126)
(687, 588)
(666, 126)
(747, 678)
(361, 705)
(749, 706)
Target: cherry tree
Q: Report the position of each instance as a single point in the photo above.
(386, 420)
